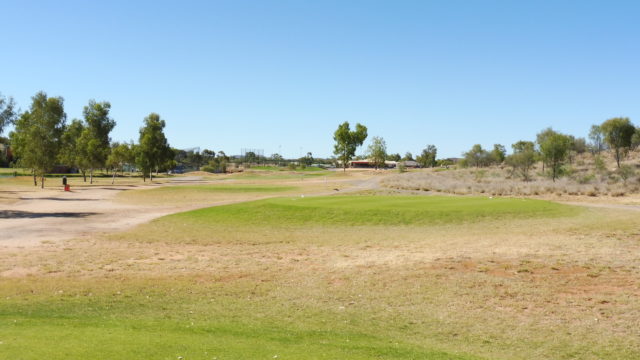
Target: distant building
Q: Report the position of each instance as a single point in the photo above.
(369, 164)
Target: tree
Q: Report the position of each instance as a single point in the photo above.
(407, 157)
(120, 155)
(153, 150)
(617, 134)
(277, 159)
(523, 158)
(498, 154)
(635, 139)
(36, 138)
(394, 157)
(377, 151)
(428, 156)
(347, 141)
(541, 137)
(307, 160)
(555, 149)
(597, 139)
(7, 112)
(477, 156)
(95, 141)
(71, 153)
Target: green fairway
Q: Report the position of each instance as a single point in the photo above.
(375, 210)
(140, 319)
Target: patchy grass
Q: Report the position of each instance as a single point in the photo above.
(193, 194)
(341, 277)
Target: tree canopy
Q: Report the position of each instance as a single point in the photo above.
(618, 133)
(153, 149)
(377, 151)
(347, 141)
(36, 138)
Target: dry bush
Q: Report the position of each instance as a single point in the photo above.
(580, 178)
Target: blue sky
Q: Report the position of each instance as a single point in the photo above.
(281, 75)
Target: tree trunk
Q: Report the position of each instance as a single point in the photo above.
(91, 176)
(151, 176)
(618, 157)
(42, 181)
(84, 175)
(113, 179)
(35, 179)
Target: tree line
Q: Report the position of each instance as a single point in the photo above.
(552, 148)
(42, 138)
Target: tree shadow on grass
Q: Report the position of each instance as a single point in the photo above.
(15, 214)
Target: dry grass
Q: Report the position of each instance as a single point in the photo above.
(537, 288)
(581, 180)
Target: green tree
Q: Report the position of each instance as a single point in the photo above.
(7, 112)
(37, 133)
(120, 156)
(277, 159)
(153, 150)
(477, 156)
(554, 149)
(428, 156)
(523, 158)
(95, 141)
(71, 153)
(597, 139)
(307, 160)
(407, 157)
(394, 157)
(347, 141)
(540, 138)
(498, 154)
(617, 134)
(377, 152)
(635, 139)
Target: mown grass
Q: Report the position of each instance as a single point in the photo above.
(301, 219)
(374, 210)
(173, 318)
(340, 277)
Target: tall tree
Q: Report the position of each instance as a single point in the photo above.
(554, 149)
(36, 138)
(120, 156)
(71, 153)
(617, 134)
(635, 139)
(95, 141)
(153, 150)
(477, 156)
(7, 112)
(498, 154)
(347, 141)
(542, 137)
(523, 158)
(377, 151)
(597, 139)
(428, 156)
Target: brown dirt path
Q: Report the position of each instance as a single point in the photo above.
(53, 215)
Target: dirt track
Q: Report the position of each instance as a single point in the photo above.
(54, 215)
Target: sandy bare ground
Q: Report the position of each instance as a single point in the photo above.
(53, 215)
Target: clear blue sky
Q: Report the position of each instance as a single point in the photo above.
(281, 75)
